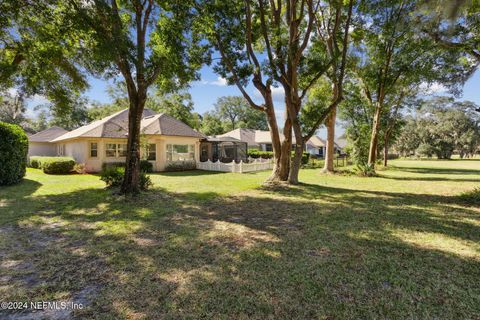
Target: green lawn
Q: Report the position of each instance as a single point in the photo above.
(217, 245)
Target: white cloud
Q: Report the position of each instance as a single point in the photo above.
(278, 94)
(433, 88)
(220, 81)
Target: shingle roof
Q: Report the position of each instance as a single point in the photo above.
(168, 126)
(47, 135)
(251, 136)
(116, 126)
(317, 142)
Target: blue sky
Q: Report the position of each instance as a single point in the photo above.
(206, 91)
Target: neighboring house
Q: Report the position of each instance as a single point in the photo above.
(164, 140)
(256, 139)
(261, 140)
(40, 144)
(316, 146)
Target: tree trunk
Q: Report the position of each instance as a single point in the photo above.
(385, 154)
(281, 163)
(296, 162)
(372, 152)
(131, 178)
(330, 147)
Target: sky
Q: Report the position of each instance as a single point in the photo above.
(210, 87)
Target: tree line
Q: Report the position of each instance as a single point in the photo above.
(368, 57)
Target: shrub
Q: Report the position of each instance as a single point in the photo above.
(79, 168)
(471, 197)
(53, 165)
(145, 165)
(113, 177)
(255, 154)
(366, 170)
(181, 166)
(145, 181)
(13, 153)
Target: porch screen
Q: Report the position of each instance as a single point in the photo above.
(180, 152)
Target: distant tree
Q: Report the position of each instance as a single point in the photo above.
(440, 127)
(211, 124)
(177, 104)
(13, 108)
(235, 112)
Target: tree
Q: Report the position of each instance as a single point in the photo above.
(231, 109)
(264, 43)
(147, 42)
(235, 112)
(176, 104)
(440, 127)
(390, 53)
(72, 115)
(34, 53)
(211, 124)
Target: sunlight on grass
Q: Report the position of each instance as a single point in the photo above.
(440, 242)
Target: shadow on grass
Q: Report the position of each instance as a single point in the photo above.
(303, 252)
(455, 171)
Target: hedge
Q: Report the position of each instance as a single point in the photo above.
(13, 153)
(53, 165)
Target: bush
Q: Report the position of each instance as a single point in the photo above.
(181, 166)
(255, 154)
(145, 165)
(13, 153)
(113, 177)
(471, 197)
(366, 170)
(53, 165)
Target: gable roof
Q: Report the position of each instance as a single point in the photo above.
(168, 126)
(47, 135)
(316, 142)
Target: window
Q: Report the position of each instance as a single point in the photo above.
(60, 150)
(93, 149)
(152, 152)
(268, 147)
(121, 150)
(116, 150)
(111, 150)
(180, 152)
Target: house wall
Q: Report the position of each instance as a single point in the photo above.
(42, 149)
(79, 149)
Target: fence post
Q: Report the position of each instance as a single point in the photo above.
(241, 166)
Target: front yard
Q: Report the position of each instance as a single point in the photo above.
(205, 244)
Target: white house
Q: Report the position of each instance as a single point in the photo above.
(165, 140)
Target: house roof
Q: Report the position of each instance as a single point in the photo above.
(316, 142)
(47, 135)
(116, 126)
(252, 137)
(166, 125)
(341, 142)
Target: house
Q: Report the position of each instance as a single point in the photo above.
(316, 146)
(40, 144)
(165, 140)
(256, 139)
(261, 140)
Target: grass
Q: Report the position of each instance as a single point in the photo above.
(218, 245)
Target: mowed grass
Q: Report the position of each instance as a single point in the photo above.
(218, 245)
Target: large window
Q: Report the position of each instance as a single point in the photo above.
(60, 150)
(152, 152)
(116, 150)
(93, 149)
(180, 152)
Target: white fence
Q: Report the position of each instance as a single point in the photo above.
(241, 167)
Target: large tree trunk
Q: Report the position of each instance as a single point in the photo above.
(281, 163)
(385, 153)
(131, 178)
(372, 152)
(296, 161)
(330, 147)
